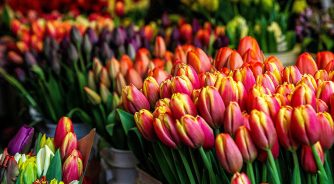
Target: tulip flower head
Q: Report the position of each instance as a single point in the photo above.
(245, 144)
(240, 178)
(307, 159)
(144, 121)
(21, 142)
(72, 167)
(134, 100)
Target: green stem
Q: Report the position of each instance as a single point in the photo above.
(207, 165)
(296, 171)
(273, 166)
(309, 178)
(216, 132)
(322, 174)
(328, 168)
(250, 172)
(198, 176)
(186, 165)
(264, 172)
(314, 179)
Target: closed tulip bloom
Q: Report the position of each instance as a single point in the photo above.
(93, 97)
(21, 142)
(303, 95)
(165, 129)
(251, 55)
(245, 144)
(327, 129)
(43, 159)
(266, 82)
(133, 77)
(47, 142)
(133, 100)
(181, 104)
(28, 171)
(159, 74)
(228, 153)
(159, 47)
(306, 64)
(199, 60)
(113, 68)
(69, 144)
(272, 63)
(254, 92)
(240, 178)
(166, 89)
(144, 122)
(188, 71)
(275, 77)
(283, 128)
(120, 83)
(125, 64)
(322, 75)
(163, 102)
(180, 54)
(151, 90)
(245, 75)
(307, 159)
(255, 66)
(207, 79)
(64, 126)
(321, 106)
(267, 104)
(247, 43)
(234, 61)
(221, 58)
(262, 129)
(291, 74)
(330, 66)
(304, 125)
(211, 106)
(325, 90)
(233, 118)
(104, 93)
(181, 84)
(97, 68)
(285, 89)
(323, 58)
(91, 80)
(72, 167)
(309, 81)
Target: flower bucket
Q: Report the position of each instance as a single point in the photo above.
(145, 178)
(121, 164)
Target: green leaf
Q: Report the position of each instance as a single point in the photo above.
(136, 145)
(329, 43)
(111, 119)
(127, 120)
(37, 143)
(55, 168)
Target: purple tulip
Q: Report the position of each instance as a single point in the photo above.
(21, 142)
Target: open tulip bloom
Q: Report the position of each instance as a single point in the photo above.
(218, 121)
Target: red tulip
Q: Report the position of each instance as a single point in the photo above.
(159, 47)
(245, 75)
(181, 84)
(307, 159)
(323, 58)
(144, 122)
(240, 178)
(291, 74)
(233, 118)
(303, 95)
(188, 71)
(309, 81)
(325, 90)
(207, 79)
(245, 144)
(159, 75)
(221, 58)
(322, 75)
(247, 43)
(234, 61)
(272, 63)
(133, 77)
(64, 126)
(199, 60)
(73, 167)
(166, 89)
(69, 144)
(321, 106)
(133, 100)
(151, 90)
(306, 64)
(327, 129)
(181, 104)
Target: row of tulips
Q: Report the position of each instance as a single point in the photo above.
(54, 160)
(240, 112)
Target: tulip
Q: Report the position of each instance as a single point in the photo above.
(120, 83)
(181, 104)
(64, 126)
(267, 104)
(322, 75)
(43, 159)
(125, 64)
(93, 97)
(164, 127)
(97, 68)
(113, 68)
(134, 100)
(233, 118)
(180, 54)
(188, 71)
(254, 92)
(144, 122)
(181, 84)
(160, 47)
(304, 125)
(21, 142)
(234, 61)
(47, 142)
(28, 171)
(272, 63)
(325, 90)
(163, 102)
(199, 60)
(247, 43)
(303, 95)
(307, 159)
(321, 106)
(91, 80)
(194, 132)
(207, 79)
(245, 144)
(306, 64)
(323, 58)
(228, 153)
(330, 66)
(221, 57)
(69, 144)
(327, 129)
(309, 81)
(240, 178)
(166, 89)
(266, 82)
(291, 74)
(285, 89)
(283, 128)
(73, 167)
(245, 75)
(262, 129)
(275, 77)
(186, 33)
(230, 90)
(159, 75)
(133, 77)
(211, 106)
(151, 90)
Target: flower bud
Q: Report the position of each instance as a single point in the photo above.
(327, 129)
(159, 75)
(97, 68)
(306, 64)
(330, 66)
(144, 122)
(291, 74)
(69, 144)
(134, 78)
(240, 178)
(325, 90)
(181, 104)
(234, 61)
(211, 106)
(307, 159)
(323, 58)
(64, 126)
(228, 153)
(322, 75)
(207, 79)
(181, 84)
(245, 75)
(247, 43)
(262, 129)
(221, 57)
(125, 64)
(93, 97)
(199, 60)
(120, 83)
(189, 72)
(104, 78)
(134, 100)
(267, 104)
(309, 81)
(166, 89)
(321, 106)
(303, 95)
(21, 142)
(151, 90)
(73, 167)
(104, 93)
(245, 144)
(91, 80)
(160, 47)
(272, 63)
(113, 68)
(304, 125)
(233, 118)
(43, 159)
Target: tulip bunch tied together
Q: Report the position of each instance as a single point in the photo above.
(212, 117)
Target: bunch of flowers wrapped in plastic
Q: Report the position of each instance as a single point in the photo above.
(213, 119)
(52, 160)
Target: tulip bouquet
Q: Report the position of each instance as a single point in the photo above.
(61, 159)
(239, 118)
